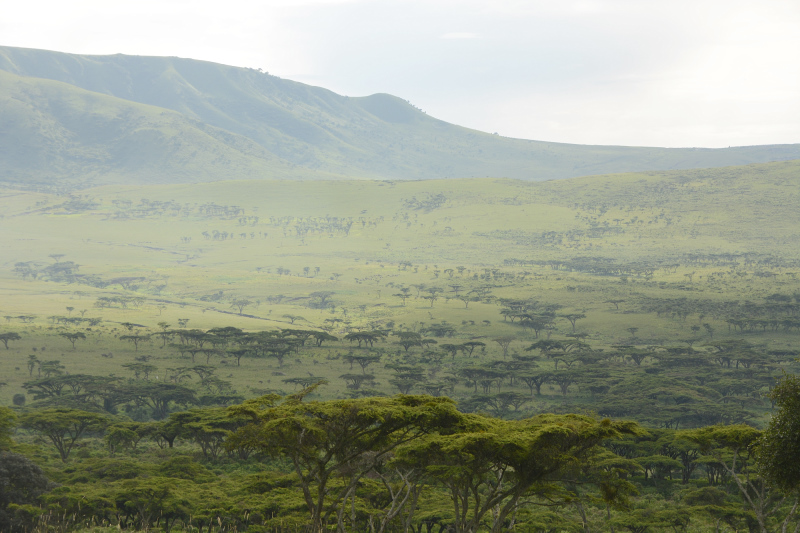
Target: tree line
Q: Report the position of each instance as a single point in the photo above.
(404, 463)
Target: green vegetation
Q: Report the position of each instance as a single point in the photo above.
(594, 354)
(76, 121)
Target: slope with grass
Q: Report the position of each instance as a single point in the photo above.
(643, 263)
(277, 128)
(52, 134)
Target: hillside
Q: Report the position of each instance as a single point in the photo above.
(112, 119)
(51, 132)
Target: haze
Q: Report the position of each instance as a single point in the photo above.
(607, 72)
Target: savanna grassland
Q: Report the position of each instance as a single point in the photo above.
(671, 299)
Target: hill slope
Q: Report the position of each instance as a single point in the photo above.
(300, 128)
(51, 131)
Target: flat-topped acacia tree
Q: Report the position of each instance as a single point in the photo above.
(491, 467)
(63, 426)
(136, 338)
(9, 336)
(74, 337)
(332, 445)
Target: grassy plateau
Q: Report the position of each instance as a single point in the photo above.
(621, 251)
(667, 299)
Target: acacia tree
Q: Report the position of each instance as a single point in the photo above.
(241, 352)
(135, 339)
(208, 428)
(470, 346)
(73, 337)
(451, 349)
(780, 445)
(366, 337)
(466, 299)
(403, 384)
(143, 500)
(406, 377)
(140, 368)
(320, 299)
(408, 342)
(9, 336)
(573, 318)
(332, 445)
(354, 381)
(240, 304)
(156, 395)
(278, 350)
(292, 318)
(321, 336)
(433, 295)
(404, 294)
(165, 333)
(362, 360)
(504, 343)
(734, 448)
(535, 380)
(63, 426)
(491, 467)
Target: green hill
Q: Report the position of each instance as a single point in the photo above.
(51, 131)
(242, 124)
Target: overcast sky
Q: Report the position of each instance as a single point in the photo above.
(633, 72)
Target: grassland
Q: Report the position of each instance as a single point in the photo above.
(648, 259)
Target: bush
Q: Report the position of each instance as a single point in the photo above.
(21, 484)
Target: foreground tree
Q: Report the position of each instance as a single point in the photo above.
(492, 467)
(735, 449)
(63, 426)
(21, 484)
(144, 502)
(779, 452)
(332, 445)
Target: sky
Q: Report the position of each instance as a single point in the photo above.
(673, 73)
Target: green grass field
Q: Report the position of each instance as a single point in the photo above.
(709, 242)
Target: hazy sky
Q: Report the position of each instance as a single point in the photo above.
(634, 72)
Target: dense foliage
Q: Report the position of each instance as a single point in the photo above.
(405, 463)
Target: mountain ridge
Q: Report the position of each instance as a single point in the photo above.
(294, 131)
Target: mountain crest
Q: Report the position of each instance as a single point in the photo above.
(101, 119)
